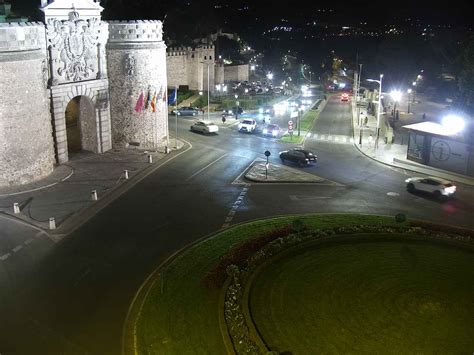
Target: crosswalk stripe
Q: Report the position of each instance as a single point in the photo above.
(332, 138)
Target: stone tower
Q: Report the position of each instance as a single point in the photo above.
(54, 88)
(26, 141)
(136, 59)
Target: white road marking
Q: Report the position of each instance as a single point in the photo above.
(228, 219)
(17, 248)
(393, 194)
(4, 256)
(232, 212)
(29, 241)
(208, 165)
(302, 198)
(225, 225)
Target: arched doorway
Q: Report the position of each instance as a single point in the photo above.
(80, 125)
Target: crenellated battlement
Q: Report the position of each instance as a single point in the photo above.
(135, 31)
(177, 51)
(22, 36)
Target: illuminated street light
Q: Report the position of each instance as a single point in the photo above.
(453, 124)
(270, 76)
(396, 97)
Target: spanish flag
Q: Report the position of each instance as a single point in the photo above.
(153, 103)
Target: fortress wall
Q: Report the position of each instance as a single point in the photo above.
(26, 141)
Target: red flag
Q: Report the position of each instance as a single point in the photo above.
(139, 105)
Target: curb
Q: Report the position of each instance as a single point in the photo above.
(80, 217)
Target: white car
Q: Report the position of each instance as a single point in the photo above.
(204, 127)
(436, 186)
(247, 125)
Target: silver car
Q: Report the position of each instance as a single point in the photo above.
(433, 185)
(204, 127)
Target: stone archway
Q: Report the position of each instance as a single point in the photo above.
(87, 127)
(81, 127)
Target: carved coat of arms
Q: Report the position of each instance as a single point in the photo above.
(75, 46)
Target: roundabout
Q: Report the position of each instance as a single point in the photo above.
(325, 283)
(366, 296)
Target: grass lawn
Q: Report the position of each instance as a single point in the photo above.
(175, 314)
(367, 297)
(306, 124)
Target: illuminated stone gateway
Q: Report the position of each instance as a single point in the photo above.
(73, 83)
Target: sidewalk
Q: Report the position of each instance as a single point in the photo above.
(394, 154)
(67, 195)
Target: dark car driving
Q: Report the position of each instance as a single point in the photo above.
(301, 157)
(186, 111)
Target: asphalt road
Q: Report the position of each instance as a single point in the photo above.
(75, 298)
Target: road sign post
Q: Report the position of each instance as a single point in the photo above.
(267, 154)
(290, 129)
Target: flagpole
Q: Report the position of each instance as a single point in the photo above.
(176, 108)
(165, 93)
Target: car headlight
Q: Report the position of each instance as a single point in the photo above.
(265, 131)
(450, 190)
(260, 110)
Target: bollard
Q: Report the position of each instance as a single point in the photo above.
(94, 195)
(150, 158)
(52, 223)
(16, 208)
(126, 174)
(167, 150)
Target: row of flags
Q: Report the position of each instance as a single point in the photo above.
(150, 102)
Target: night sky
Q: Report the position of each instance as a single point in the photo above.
(388, 11)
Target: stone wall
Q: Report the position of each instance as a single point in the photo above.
(187, 66)
(136, 59)
(26, 143)
(219, 74)
(176, 67)
(236, 72)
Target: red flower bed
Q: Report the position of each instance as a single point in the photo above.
(216, 277)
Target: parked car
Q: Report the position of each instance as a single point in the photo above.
(301, 157)
(433, 185)
(272, 130)
(186, 111)
(204, 127)
(247, 125)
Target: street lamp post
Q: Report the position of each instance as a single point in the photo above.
(236, 106)
(357, 96)
(378, 109)
(409, 91)
(208, 89)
